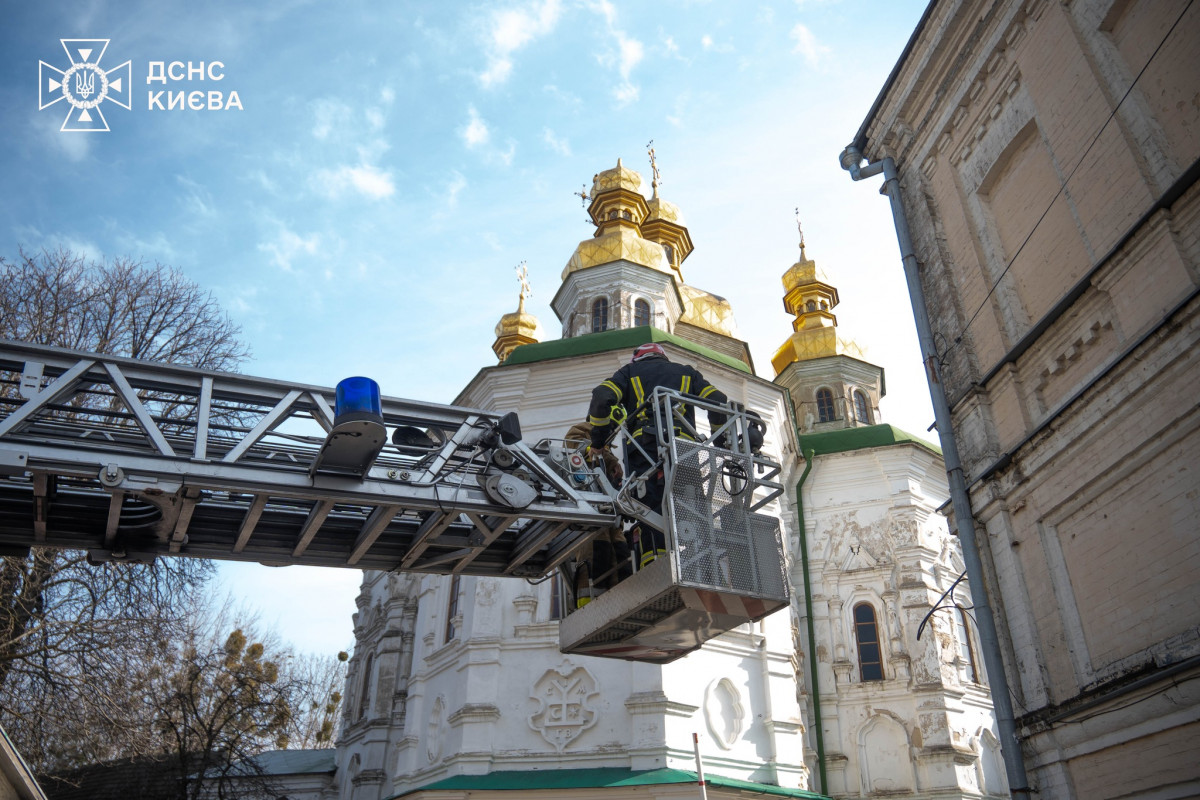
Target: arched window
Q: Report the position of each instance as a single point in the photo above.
(364, 696)
(626, 214)
(641, 313)
(811, 305)
(452, 607)
(824, 405)
(670, 251)
(861, 410)
(600, 315)
(866, 633)
(965, 651)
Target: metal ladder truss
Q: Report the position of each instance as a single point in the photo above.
(130, 459)
(724, 565)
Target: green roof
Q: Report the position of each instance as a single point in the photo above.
(622, 339)
(596, 778)
(847, 439)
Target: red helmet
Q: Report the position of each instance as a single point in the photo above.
(651, 350)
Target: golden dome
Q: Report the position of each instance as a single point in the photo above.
(811, 298)
(515, 329)
(804, 271)
(664, 210)
(618, 244)
(618, 177)
(708, 311)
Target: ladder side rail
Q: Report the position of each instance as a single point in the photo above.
(128, 451)
(227, 386)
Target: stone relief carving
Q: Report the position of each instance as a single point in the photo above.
(564, 695)
(436, 730)
(724, 713)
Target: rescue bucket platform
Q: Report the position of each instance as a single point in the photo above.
(724, 562)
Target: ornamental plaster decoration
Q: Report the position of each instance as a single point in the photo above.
(564, 696)
(436, 730)
(724, 713)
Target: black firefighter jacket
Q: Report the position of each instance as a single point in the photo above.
(632, 384)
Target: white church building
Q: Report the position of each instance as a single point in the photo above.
(457, 689)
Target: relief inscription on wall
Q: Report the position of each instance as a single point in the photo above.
(564, 696)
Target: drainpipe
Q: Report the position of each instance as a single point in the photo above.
(812, 631)
(1014, 762)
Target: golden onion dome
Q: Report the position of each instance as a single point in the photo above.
(664, 210)
(618, 177)
(803, 272)
(708, 311)
(621, 244)
(518, 322)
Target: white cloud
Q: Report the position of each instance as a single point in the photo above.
(807, 45)
(626, 54)
(560, 146)
(510, 30)
(386, 95)
(329, 117)
(375, 118)
(506, 156)
(606, 9)
(626, 93)
(196, 199)
(287, 246)
(670, 46)
(631, 51)
(75, 146)
(366, 179)
(564, 97)
(457, 183)
(475, 133)
(708, 43)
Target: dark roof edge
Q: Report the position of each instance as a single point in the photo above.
(860, 138)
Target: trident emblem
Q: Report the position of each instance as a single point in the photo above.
(85, 84)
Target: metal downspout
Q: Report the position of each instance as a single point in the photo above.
(1010, 745)
(812, 631)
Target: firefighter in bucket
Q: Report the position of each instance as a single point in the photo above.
(622, 399)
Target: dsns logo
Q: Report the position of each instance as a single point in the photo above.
(84, 85)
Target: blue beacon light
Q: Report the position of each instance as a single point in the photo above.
(358, 396)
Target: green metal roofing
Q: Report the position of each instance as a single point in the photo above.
(847, 439)
(621, 339)
(596, 778)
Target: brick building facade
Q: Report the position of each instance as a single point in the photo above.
(1048, 155)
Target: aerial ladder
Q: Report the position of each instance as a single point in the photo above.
(130, 460)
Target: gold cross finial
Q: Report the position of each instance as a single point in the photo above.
(800, 228)
(582, 195)
(657, 177)
(526, 291)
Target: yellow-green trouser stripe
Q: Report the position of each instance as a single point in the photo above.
(598, 421)
(651, 555)
(616, 389)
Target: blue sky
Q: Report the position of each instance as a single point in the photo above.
(393, 163)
